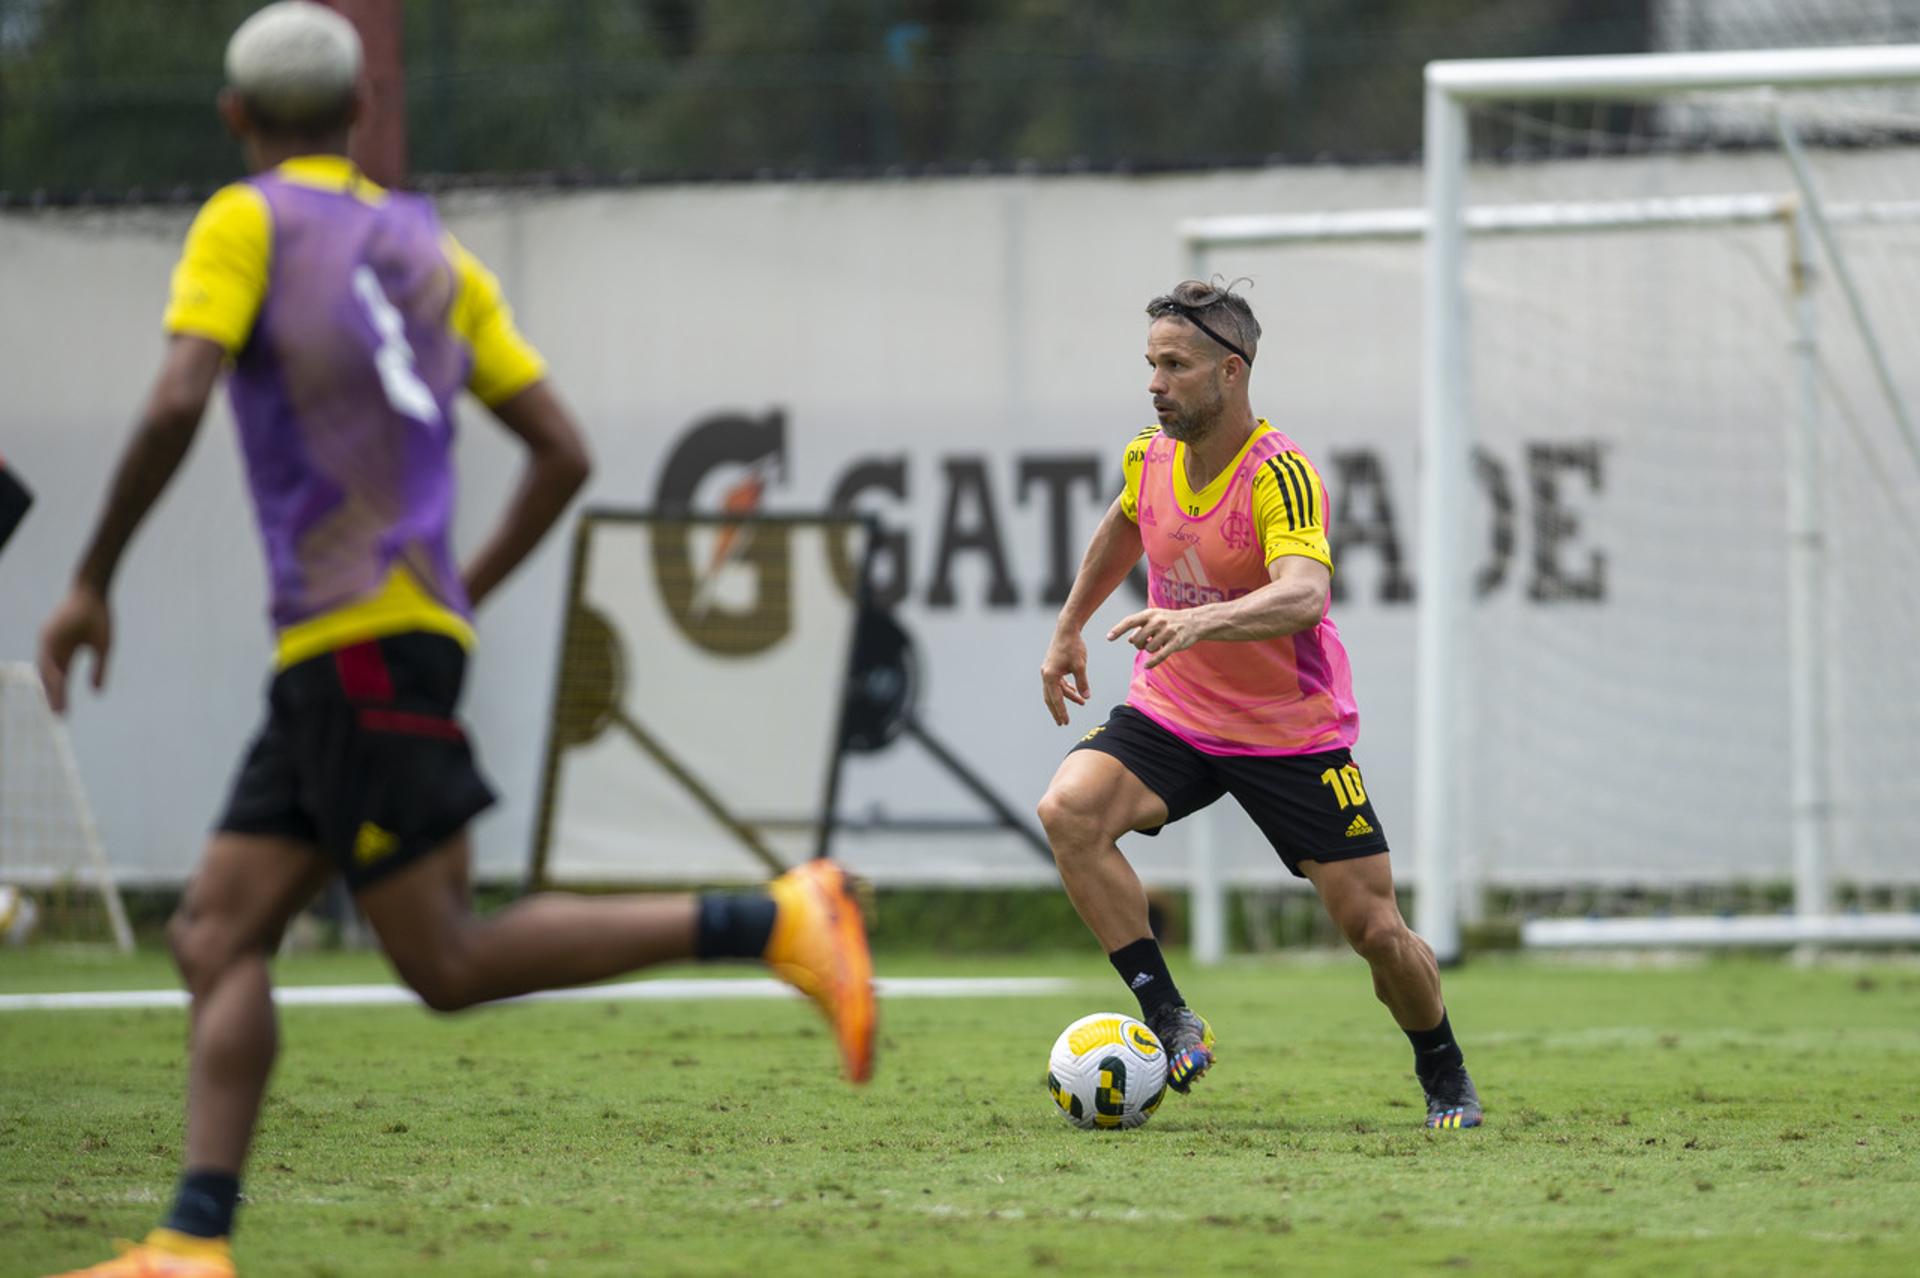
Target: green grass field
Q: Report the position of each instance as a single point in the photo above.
(1730, 1117)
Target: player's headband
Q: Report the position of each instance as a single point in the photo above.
(1191, 315)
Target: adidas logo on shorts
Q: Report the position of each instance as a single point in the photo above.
(1359, 827)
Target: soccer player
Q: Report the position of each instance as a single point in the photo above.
(1240, 686)
(350, 320)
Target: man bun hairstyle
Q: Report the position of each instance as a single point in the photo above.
(1216, 310)
(295, 64)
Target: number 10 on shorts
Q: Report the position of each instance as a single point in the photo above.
(1346, 786)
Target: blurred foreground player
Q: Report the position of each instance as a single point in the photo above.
(1240, 687)
(352, 320)
(14, 500)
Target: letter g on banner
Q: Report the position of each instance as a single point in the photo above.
(689, 558)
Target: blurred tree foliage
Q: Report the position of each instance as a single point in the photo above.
(114, 95)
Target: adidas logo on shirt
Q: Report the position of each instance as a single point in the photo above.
(1359, 827)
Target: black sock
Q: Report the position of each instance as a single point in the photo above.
(203, 1205)
(1144, 969)
(733, 925)
(1434, 1050)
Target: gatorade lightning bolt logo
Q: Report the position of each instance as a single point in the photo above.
(727, 588)
(742, 499)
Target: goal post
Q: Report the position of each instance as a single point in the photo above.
(1667, 257)
(48, 839)
(1448, 433)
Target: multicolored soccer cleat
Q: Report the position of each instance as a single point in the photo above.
(819, 946)
(1451, 1099)
(165, 1254)
(1189, 1043)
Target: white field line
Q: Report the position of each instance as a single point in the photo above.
(631, 991)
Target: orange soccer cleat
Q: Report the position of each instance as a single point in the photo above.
(165, 1254)
(819, 946)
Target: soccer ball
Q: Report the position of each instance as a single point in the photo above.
(18, 915)
(1107, 1070)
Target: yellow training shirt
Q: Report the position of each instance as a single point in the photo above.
(221, 279)
(1283, 526)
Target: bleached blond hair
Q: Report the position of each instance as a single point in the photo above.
(295, 65)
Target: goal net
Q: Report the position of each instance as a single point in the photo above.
(49, 845)
(1668, 633)
(697, 703)
(1720, 713)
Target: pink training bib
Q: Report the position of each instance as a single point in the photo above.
(1292, 695)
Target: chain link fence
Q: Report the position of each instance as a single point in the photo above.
(112, 99)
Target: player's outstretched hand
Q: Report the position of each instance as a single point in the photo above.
(81, 621)
(1063, 675)
(1159, 632)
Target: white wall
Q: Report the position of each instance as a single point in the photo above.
(941, 322)
(979, 319)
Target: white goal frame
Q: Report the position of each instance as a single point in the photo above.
(1447, 436)
(92, 868)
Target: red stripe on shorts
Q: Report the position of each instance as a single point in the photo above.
(363, 672)
(410, 725)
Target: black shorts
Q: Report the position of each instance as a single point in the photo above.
(362, 758)
(1311, 807)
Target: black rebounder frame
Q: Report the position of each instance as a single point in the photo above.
(855, 714)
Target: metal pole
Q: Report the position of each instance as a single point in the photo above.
(1651, 75)
(1445, 439)
(1812, 807)
(978, 787)
(1209, 895)
(1196, 257)
(1206, 894)
(379, 144)
(1734, 929)
(1575, 217)
(1813, 212)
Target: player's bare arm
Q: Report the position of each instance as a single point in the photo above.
(1294, 599)
(556, 466)
(1111, 555)
(159, 444)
